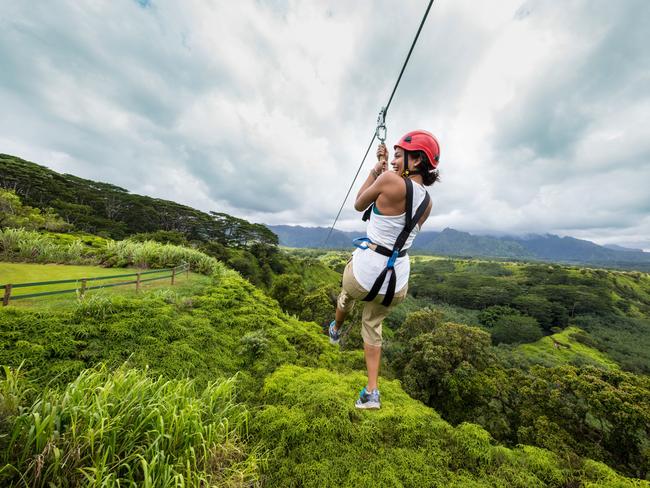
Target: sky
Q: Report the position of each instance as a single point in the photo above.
(263, 109)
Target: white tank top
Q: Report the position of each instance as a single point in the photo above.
(384, 230)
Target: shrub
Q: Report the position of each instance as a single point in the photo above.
(420, 322)
(491, 315)
(442, 367)
(319, 305)
(161, 236)
(14, 214)
(545, 312)
(289, 291)
(515, 329)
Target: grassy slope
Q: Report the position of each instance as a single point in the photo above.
(227, 328)
(305, 413)
(27, 273)
(318, 439)
(562, 348)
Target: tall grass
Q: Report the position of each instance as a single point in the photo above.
(151, 254)
(124, 428)
(13, 391)
(34, 247)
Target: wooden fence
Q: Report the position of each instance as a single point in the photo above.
(83, 288)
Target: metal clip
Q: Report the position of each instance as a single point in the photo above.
(381, 125)
(361, 242)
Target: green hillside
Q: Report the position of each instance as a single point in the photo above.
(184, 284)
(298, 388)
(493, 373)
(565, 348)
(111, 211)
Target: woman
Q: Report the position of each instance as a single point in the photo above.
(378, 272)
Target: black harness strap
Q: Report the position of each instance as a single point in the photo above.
(366, 214)
(411, 222)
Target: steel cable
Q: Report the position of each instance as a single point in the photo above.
(390, 99)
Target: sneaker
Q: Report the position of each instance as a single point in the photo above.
(368, 399)
(335, 336)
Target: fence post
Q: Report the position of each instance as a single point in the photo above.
(82, 292)
(5, 300)
(137, 282)
(173, 274)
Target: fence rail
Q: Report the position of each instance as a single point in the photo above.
(9, 287)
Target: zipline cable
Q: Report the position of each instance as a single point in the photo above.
(385, 111)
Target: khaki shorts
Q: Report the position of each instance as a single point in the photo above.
(373, 312)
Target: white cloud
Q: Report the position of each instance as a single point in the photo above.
(263, 109)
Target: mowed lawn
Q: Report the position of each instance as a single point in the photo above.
(15, 273)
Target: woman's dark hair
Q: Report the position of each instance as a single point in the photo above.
(428, 177)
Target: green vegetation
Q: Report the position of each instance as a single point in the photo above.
(625, 339)
(31, 246)
(14, 214)
(249, 249)
(184, 285)
(228, 327)
(566, 347)
(29, 273)
(515, 329)
(203, 336)
(613, 307)
(573, 410)
(124, 427)
(110, 211)
(318, 439)
(494, 374)
(34, 247)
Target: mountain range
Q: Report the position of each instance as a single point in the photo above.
(451, 242)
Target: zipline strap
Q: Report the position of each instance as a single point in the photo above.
(385, 111)
(424, 18)
(411, 222)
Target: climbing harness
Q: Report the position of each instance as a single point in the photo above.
(382, 114)
(397, 251)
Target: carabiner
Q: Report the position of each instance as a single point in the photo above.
(359, 240)
(381, 125)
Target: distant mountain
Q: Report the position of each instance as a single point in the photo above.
(314, 237)
(450, 242)
(616, 247)
(569, 249)
(456, 243)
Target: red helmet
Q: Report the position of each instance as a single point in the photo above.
(421, 140)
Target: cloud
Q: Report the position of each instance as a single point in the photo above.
(263, 109)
